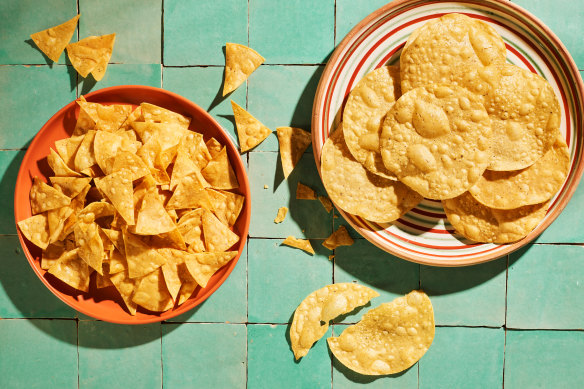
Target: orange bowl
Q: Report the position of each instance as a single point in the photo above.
(106, 304)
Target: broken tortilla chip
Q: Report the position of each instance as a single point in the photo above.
(282, 211)
(240, 62)
(302, 244)
(338, 238)
(52, 41)
(293, 142)
(304, 192)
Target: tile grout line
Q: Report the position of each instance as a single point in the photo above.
(504, 354)
(77, 74)
(248, 238)
(162, 37)
(161, 361)
(78, 373)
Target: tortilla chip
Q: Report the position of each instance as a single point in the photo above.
(302, 244)
(44, 197)
(191, 228)
(72, 270)
(167, 134)
(70, 186)
(213, 146)
(56, 219)
(84, 123)
(90, 244)
(52, 41)
(187, 289)
(76, 205)
(153, 218)
(183, 166)
(172, 239)
(116, 238)
(219, 173)
(59, 166)
(127, 160)
(172, 269)
(338, 238)
(67, 148)
(142, 259)
(126, 126)
(312, 317)
(52, 253)
(282, 211)
(202, 266)
(118, 189)
(107, 118)
(227, 205)
(91, 55)
(152, 293)
(167, 156)
(85, 156)
(103, 281)
(304, 192)
(117, 262)
(96, 210)
(216, 234)
(125, 286)
(155, 114)
(195, 146)
(240, 62)
(326, 203)
(293, 142)
(106, 146)
(250, 131)
(189, 193)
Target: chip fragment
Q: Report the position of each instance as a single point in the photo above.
(326, 203)
(304, 192)
(240, 62)
(302, 244)
(389, 338)
(250, 131)
(52, 41)
(293, 142)
(282, 211)
(338, 238)
(322, 306)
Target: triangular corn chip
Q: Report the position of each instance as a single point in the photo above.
(174, 258)
(67, 148)
(72, 270)
(183, 166)
(91, 55)
(56, 219)
(152, 217)
(152, 293)
(127, 160)
(59, 167)
(85, 156)
(117, 262)
(52, 41)
(76, 205)
(302, 244)
(338, 238)
(167, 134)
(195, 146)
(227, 205)
(191, 228)
(70, 186)
(103, 281)
(125, 286)
(240, 62)
(36, 230)
(52, 253)
(188, 286)
(219, 173)
(90, 244)
(250, 131)
(304, 192)
(214, 147)
(84, 123)
(106, 146)
(326, 203)
(293, 142)
(155, 114)
(96, 210)
(202, 266)
(172, 239)
(118, 189)
(142, 259)
(107, 118)
(189, 193)
(116, 237)
(216, 234)
(44, 197)
(133, 117)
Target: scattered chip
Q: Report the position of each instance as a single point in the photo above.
(282, 211)
(293, 142)
(312, 317)
(250, 131)
(302, 244)
(389, 338)
(202, 266)
(240, 62)
(91, 55)
(219, 172)
(338, 238)
(326, 203)
(52, 41)
(304, 192)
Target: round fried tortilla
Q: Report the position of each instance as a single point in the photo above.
(532, 185)
(389, 338)
(436, 140)
(355, 190)
(364, 112)
(323, 305)
(440, 47)
(477, 222)
(524, 112)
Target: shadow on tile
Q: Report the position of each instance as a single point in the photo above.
(31, 43)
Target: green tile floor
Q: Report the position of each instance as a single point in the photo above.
(515, 322)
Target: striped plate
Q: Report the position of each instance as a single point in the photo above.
(424, 235)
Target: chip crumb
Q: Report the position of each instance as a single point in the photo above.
(304, 192)
(331, 257)
(302, 244)
(326, 203)
(266, 187)
(338, 238)
(282, 211)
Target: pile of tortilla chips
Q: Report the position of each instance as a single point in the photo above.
(138, 199)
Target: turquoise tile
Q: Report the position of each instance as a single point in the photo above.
(9, 165)
(22, 294)
(195, 31)
(127, 356)
(471, 295)
(136, 23)
(125, 74)
(296, 31)
(23, 18)
(351, 12)
(305, 218)
(271, 363)
(345, 378)
(545, 285)
(564, 19)
(38, 353)
(204, 86)
(204, 355)
(280, 277)
(288, 104)
(558, 232)
(544, 359)
(368, 265)
(36, 93)
(227, 304)
(462, 357)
